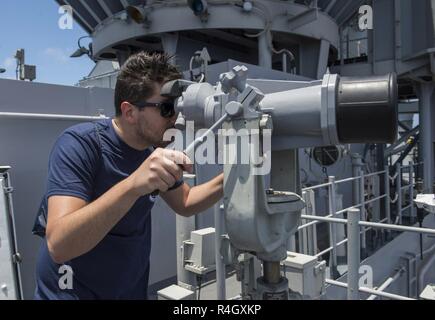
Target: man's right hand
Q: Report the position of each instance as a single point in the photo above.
(160, 171)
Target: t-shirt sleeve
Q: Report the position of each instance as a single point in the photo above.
(72, 166)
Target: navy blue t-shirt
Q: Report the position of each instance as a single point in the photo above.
(87, 160)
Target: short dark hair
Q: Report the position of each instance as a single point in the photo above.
(138, 76)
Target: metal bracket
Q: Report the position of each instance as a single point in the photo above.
(235, 79)
(16, 258)
(320, 267)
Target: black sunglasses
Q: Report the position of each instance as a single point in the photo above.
(167, 108)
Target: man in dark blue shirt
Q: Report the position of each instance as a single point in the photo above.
(96, 214)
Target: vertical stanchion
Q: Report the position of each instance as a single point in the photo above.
(387, 192)
(412, 212)
(304, 238)
(308, 235)
(363, 209)
(313, 228)
(301, 240)
(332, 227)
(353, 253)
(387, 232)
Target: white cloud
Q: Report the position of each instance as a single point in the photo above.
(9, 62)
(58, 54)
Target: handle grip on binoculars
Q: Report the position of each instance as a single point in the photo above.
(155, 193)
(199, 140)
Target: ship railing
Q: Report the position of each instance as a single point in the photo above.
(357, 224)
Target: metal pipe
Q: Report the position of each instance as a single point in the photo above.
(373, 224)
(382, 287)
(264, 52)
(199, 140)
(411, 190)
(356, 167)
(399, 191)
(340, 243)
(375, 199)
(426, 144)
(321, 253)
(47, 116)
(306, 225)
(271, 272)
(353, 254)
(317, 186)
(305, 233)
(405, 187)
(220, 266)
(332, 226)
(398, 227)
(346, 180)
(387, 193)
(407, 207)
(363, 216)
(387, 283)
(375, 173)
(284, 62)
(368, 290)
(345, 209)
(324, 219)
(330, 248)
(301, 241)
(313, 227)
(328, 216)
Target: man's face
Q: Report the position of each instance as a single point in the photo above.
(150, 125)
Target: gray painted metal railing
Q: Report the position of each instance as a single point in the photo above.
(356, 220)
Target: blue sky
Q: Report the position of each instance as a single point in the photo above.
(33, 25)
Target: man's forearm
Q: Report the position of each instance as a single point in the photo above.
(204, 196)
(80, 231)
